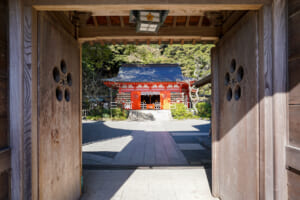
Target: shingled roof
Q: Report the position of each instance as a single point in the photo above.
(149, 73)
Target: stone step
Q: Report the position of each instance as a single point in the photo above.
(152, 115)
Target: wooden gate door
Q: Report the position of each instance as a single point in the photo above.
(59, 143)
(293, 143)
(4, 99)
(237, 116)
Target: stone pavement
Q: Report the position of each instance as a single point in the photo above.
(175, 157)
(147, 184)
(150, 143)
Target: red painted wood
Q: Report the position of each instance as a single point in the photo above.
(165, 98)
(136, 100)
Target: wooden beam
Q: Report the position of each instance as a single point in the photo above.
(102, 5)
(113, 42)
(126, 12)
(4, 160)
(174, 21)
(125, 42)
(266, 146)
(102, 42)
(171, 41)
(159, 41)
(187, 22)
(182, 42)
(194, 42)
(200, 21)
(16, 97)
(232, 20)
(95, 20)
(121, 21)
(293, 157)
(205, 80)
(108, 21)
(279, 97)
(165, 33)
(215, 121)
(148, 42)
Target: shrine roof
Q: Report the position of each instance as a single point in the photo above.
(149, 73)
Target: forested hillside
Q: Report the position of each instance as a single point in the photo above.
(100, 62)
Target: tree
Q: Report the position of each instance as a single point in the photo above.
(100, 62)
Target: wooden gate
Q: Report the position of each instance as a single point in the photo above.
(4, 111)
(235, 59)
(293, 146)
(59, 143)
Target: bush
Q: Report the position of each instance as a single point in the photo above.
(204, 109)
(100, 113)
(181, 112)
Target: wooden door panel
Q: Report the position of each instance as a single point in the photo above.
(4, 105)
(293, 146)
(58, 126)
(238, 109)
(136, 100)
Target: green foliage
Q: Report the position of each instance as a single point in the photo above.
(101, 114)
(100, 62)
(181, 112)
(204, 110)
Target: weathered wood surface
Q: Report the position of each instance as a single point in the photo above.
(4, 189)
(5, 161)
(294, 125)
(266, 188)
(238, 127)
(293, 184)
(89, 33)
(16, 100)
(293, 157)
(99, 5)
(214, 122)
(293, 143)
(59, 125)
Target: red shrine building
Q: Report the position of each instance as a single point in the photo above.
(150, 86)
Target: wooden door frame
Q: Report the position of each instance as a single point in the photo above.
(273, 76)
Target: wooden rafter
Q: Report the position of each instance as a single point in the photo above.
(104, 5)
(113, 32)
(121, 21)
(174, 21)
(95, 21)
(187, 22)
(108, 21)
(200, 21)
(159, 41)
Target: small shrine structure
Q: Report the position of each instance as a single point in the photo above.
(150, 86)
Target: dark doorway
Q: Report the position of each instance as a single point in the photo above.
(150, 99)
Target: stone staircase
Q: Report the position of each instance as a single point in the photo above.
(152, 115)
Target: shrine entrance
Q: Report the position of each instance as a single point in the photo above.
(150, 100)
(250, 123)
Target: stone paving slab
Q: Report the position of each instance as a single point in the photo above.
(147, 184)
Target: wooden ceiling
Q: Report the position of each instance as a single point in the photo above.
(194, 27)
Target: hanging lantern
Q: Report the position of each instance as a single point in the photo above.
(148, 20)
